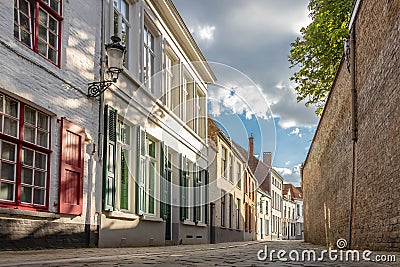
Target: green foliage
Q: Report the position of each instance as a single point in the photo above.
(319, 50)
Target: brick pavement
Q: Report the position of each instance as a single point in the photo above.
(224, 254)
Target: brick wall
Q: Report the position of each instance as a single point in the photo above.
(61, 92)
(328, 169)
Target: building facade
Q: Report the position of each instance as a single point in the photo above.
(263, 215)
(288, 214)
(276, 205)
(155, 147)
(49, 127)
(231, 189)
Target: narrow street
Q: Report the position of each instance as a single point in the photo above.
(227, 254)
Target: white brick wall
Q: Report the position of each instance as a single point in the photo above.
(60, 91)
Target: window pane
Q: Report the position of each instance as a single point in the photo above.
(42, 17)
(7, 191)
(40, 161)
(152, 148)
(30, 115)
(40, 178)
(54, 4)
(151, 187)
(7, 171)
(52, 55)
(24, 22)
(10, 127)
(43, 121)
(8, 151)
(42, 47)
(26, 176)
(43, 32)
(42, 138)
(26, 194)
(29, 134)
(53, 25)
(11, 107)
(27, 157)
(24, 6)
(116, 4)
(53, 40)
(38, 196)
(26, 38)
(124, 9)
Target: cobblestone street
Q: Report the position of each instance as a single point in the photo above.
(226, 254)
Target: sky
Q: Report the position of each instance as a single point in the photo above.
(247, 43)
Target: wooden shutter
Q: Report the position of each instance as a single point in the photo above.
(197, 194)
(163, 181)
(71, 167)
(182, 185)
(206, 187)
(140, 171)
(109, 158)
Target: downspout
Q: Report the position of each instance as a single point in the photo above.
(99, 172)
(353, 129)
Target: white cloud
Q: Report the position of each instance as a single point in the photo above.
(287, 162)
(296, 132)
(205, 33)
(290, 174)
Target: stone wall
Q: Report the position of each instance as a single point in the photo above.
(327, 172)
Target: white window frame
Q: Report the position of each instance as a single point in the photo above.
(122, 19)
(148, 160)
(224, 152)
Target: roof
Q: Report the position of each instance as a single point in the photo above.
(295, 192)
(260, 170)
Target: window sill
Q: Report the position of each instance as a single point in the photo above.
(200, 224)
(151, 218)
(121, 215)
(29, 213)
(187, 222)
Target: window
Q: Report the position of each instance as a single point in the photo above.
(266, 207)
(238, 213)
(196, 111)
(169, 80)
(151, 176)
(223, 211)
(261, 207)
(148, 58)
(123, 159)
(184, 95)
(223, 161)
(37, 24)
(230, 210)
(231, 168)
(238, 175)
(24, 158)
(121, 25)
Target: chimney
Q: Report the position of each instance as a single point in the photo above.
(267, 158)
(251, 145)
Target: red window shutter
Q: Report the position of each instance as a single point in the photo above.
(71, 167)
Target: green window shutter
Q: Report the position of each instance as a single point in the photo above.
(183, 185)
(197, 194)
(140, 171)
(109, 156)
(206, 181)
(163, 180)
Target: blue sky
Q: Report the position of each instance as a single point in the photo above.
(247, 44)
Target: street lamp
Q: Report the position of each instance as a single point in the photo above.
(115, 59)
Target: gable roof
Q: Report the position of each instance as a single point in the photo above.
(295, 192)
(260, 170)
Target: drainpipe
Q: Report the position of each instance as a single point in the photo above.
(100, 137)
(353, 129)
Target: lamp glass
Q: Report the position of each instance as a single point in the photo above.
(115, 59)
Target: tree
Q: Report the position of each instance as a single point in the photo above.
(319, 50)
